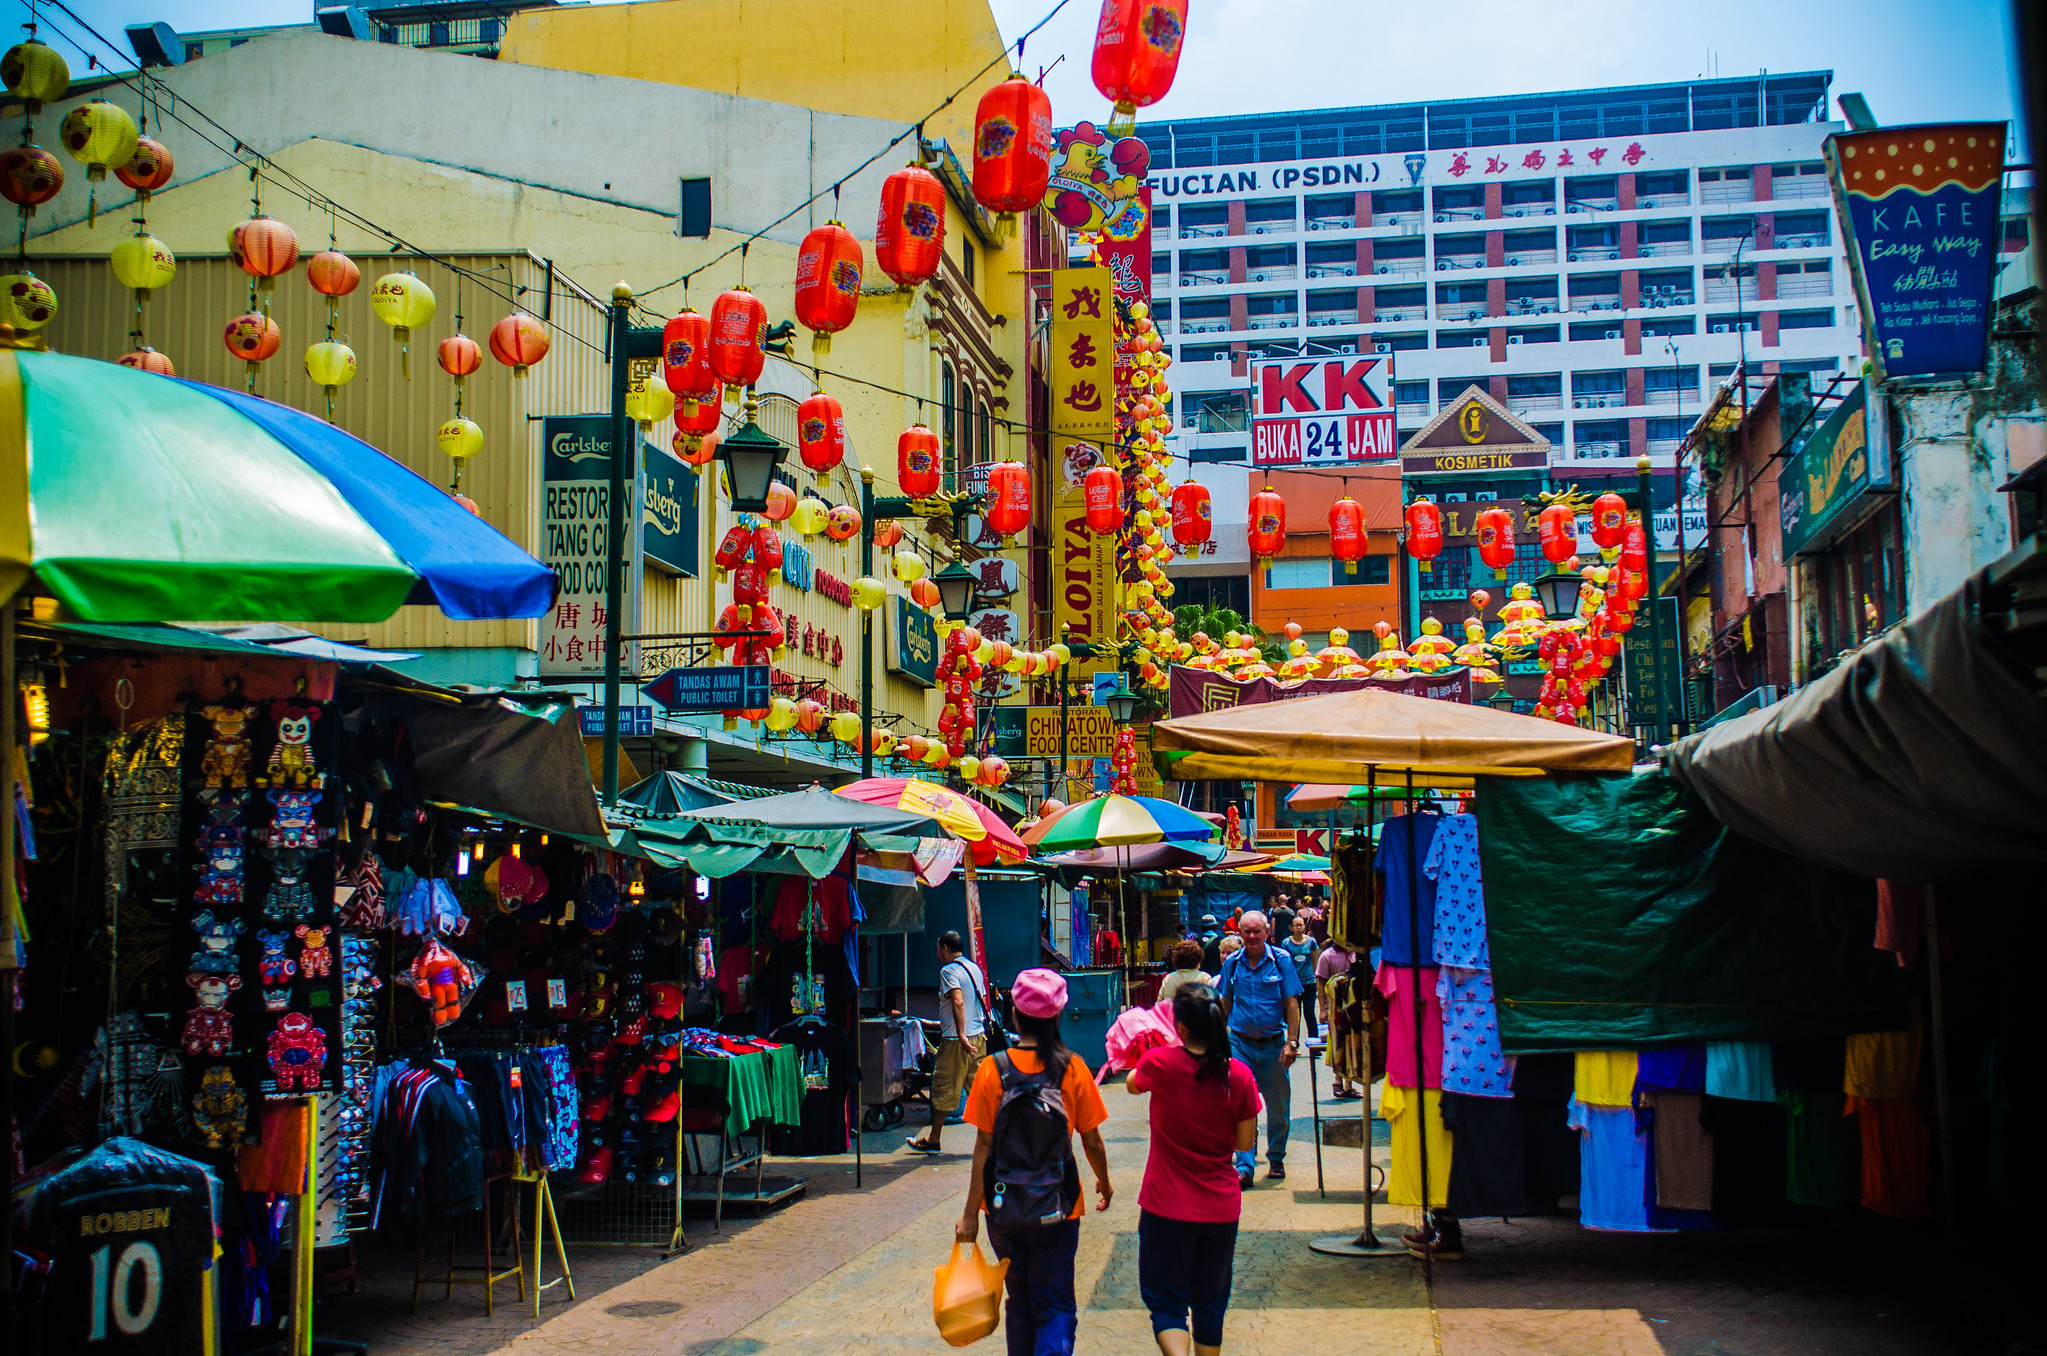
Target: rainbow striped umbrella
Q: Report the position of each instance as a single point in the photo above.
(1110, 821)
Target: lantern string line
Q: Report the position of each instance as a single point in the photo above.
(916, 128)
(239, 149)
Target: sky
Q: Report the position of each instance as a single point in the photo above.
(1915, 60)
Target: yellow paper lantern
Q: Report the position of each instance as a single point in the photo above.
(649, 403)
(781, 717)
(143, 263)
(330, 364)
(26, 301)
(884, 743)
(460, 438)
(36, 73)
(846, 727)
(868, 593)
(100, 136)
(810, 516)
(1061, 654)
(908, 566)
(404, 303)
(970, 767)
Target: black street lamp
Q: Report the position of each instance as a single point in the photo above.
(1559, 593)
(1502, 700)
(750, 457)
(1122, 702)
(955, 591)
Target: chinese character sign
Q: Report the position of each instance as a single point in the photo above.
(575, 466)
(1083, 356)
(1129, 259)
(1920, 208)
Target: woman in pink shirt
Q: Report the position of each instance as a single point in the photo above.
(1204, 1108)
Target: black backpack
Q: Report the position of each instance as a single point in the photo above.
(1031, 1179)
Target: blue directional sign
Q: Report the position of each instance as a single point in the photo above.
(632, 720)
(715, 687)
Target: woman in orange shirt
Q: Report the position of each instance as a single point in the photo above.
(1026, 1104)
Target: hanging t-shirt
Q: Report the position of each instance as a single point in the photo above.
(1452, 864)
(1605, 1077)
(129, 1230)
(1679, 1068)
(1822, 1150)
(1740, 1070)
(1487, 1173)
(1748, 1160)
(1897, 1158)
(1613, 1168)
(1683, 1149)
(1884, 1064)
(1398, 943)
(834, 914)
(1472, 1061)
(1393, 981)
(1404, 1183)
(1191, 1173)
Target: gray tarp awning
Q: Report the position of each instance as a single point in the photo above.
(1921, 755)
(498, 756)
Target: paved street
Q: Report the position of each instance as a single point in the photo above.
(850, 1271)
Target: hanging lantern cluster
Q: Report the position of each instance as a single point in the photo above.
(959, 672)
(30, 176)
(909, 234)
(828, 272)
(750, 554)
(1012, 149)
(1147, 499)
(1137, 52)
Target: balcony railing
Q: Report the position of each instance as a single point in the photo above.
(1286, 227)
(1531, 305)
(1668, 396)
(1203, 279)
(1595, 450)
(1273, 322)
(1522, 404)
(1190, 231)
(1219, 421)
(1460, 310)
(1582, 255)
(1163, 326)
(1446, 263)
(1400, 268)
(1721, 289)
(1398, 219)
(1664, 447)
(1526, 257)
(1349, 270)
(1663, 249)
(1593, 205)
(1802, 242)
(1805, 285)
(1738, 190)
(1406, 411)
(1274, 273)
(1319, 318)
(1529, 209)
(1599, 400)
(1648, 200)
(1720, 244)
(1387, 315)
(1332, 223)
(1220, 325)
(1802, 186)
(1605, 301)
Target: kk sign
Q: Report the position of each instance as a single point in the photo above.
(1920, 207)
(1325, 413)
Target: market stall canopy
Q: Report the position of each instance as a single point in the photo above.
(1110, 821)
(1921, 755)
(134, 497)
(807, 832)
(1362, 736)
(675, 793)
(1138, 857)
(1311, 796)
(961, 816)
(488, 753)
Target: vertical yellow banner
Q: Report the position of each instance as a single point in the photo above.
(1082, 370)
(1083, 358)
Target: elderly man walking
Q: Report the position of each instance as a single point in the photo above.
(1261, 993)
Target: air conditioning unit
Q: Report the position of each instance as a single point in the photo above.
(1613, 334)
(1513, 261)
(1480, 343)
(1382, 348)
(1257, 277)
(1513, 338)
(1720, 329)
(1383, 268)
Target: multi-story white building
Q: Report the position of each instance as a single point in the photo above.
(1596, 260)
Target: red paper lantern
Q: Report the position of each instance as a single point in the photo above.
(334, 274)
(30, 176)
(909, 236)
(842, 523)
(459, 355)
(148, 360)
(253, 337)
(518, 341)
(1347, 532)
(264, 247)
(732, 550)
(1495, 528)
(917, 468)
(924, 593)
(693, 420)
(1012, 147)
(1635, 548)
(686, 355)
(1009, 497)
(828, 267)
(1193, 516)
(1137, 50)
(1556, 532)
(821, 432)
(149, 170)
(887, 533)
(738, 324)
(1609, 520)
(1266, 531)
(1424, 533)
(781, 502)
(1103, 488)
(767, 551)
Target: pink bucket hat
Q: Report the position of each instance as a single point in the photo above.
(1039, 993)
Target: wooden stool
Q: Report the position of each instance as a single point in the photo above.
(491, 1276)
(543, 1210)
(342, 1269)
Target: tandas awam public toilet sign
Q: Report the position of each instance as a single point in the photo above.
(1475, 433)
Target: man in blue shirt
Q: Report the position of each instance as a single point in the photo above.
(1261, 995)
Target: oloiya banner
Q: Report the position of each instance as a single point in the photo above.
(1194, 691)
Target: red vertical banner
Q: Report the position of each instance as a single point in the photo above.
(1126, 249)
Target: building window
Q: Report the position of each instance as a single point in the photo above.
(1859, 586)
(1804, 320)
(986, 419)
(949, 412)
(967, 261)
(1322, 572)
(1204, 353)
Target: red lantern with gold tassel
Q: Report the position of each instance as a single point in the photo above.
(1347, 532)
(1137, 52)
(1193, 517)
(1609, 521)
(264, 247)
(1009, 497)
(686, 355)
(738, 324)
(909, 236)
(821, 433)
(1103, 488)
(1495, 527)
(1556, 532)
(1424, 533)
(1266, 530)
(693, 422)
(1012, 148)
(917, 468)
(1635, 548)
(518, 341)
(150, 170)
(828, 268)
(29, 177)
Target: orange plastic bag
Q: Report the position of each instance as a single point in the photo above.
(966, 1297)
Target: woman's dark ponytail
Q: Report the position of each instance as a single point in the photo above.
(1199, 1008)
